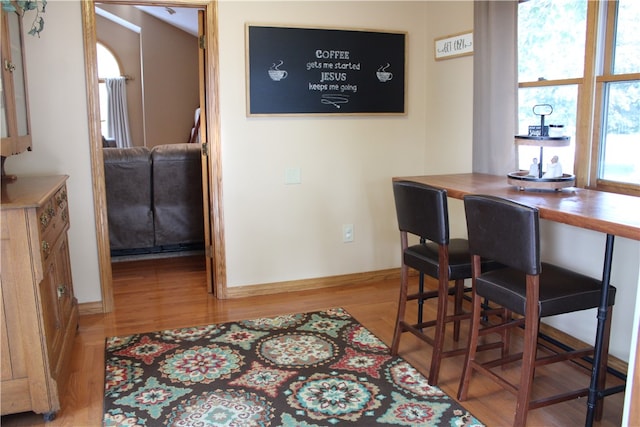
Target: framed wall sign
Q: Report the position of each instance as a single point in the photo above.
(454, 45)
(297, 71)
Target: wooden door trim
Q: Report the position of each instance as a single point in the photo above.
(216, 213)
(95, 143)
(202, 135)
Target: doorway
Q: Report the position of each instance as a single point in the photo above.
(211, 167)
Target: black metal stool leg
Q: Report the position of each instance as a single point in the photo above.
(420, 300)
(421, 290)
(602, 315)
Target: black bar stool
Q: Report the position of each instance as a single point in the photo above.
(508, 232)
(422, 211)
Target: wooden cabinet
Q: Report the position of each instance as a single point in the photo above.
(15, 129)
(39, 311)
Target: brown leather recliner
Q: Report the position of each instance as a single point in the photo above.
(177, 194)
(154, 197)
(127, 175)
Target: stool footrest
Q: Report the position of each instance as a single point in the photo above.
(563, 397)
(561, 357)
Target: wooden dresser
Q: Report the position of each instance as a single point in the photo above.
(39, 311)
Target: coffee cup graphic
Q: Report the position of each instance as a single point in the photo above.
(384, 75)
(276, 74)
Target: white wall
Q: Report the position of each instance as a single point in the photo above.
(449, 109)
(583, 251)
(277, 232)
(60, 133)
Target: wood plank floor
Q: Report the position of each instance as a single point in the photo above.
(171, 293)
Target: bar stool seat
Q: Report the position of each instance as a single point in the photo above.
(424, 258)
(561, 290)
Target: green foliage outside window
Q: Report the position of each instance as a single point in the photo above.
(552, 37)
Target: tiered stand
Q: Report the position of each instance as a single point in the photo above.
(523, 180)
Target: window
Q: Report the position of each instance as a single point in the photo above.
(107, 67)
(618, 92)
(550, 59)
(581, 58)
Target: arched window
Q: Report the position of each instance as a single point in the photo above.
(108, 66)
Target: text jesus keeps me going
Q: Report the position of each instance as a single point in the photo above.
(334, 65)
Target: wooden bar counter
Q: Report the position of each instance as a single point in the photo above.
(609, 213)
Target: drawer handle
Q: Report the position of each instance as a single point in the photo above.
(62, 291)
(44, 219)
(61, 198)
(46, 248)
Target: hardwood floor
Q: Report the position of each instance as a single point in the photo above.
(171, 293)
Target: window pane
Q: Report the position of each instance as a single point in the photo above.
(551, 39)
(3, 113)
(107, 63)
(620, 152)
(564, 100)
(107, 67)
(102, 87)
(627, 46)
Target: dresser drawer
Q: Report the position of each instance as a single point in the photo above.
(53, 219)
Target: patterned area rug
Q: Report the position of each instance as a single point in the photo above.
(309, 369)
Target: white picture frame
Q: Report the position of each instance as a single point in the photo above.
(453, 46)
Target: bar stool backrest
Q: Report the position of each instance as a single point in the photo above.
(504, 231)
(422, 210)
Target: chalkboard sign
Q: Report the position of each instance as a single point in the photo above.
(294, 71)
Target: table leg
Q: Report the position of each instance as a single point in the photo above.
(420, 300)
(421, 290)
(602, 316)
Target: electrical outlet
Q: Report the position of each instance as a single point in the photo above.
(347, 233)
(292, 176)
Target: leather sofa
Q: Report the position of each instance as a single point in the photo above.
(154, 198)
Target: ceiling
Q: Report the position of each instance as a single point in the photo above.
(185, 18)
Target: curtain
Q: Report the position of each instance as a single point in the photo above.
(117, 115)
(495, 86)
